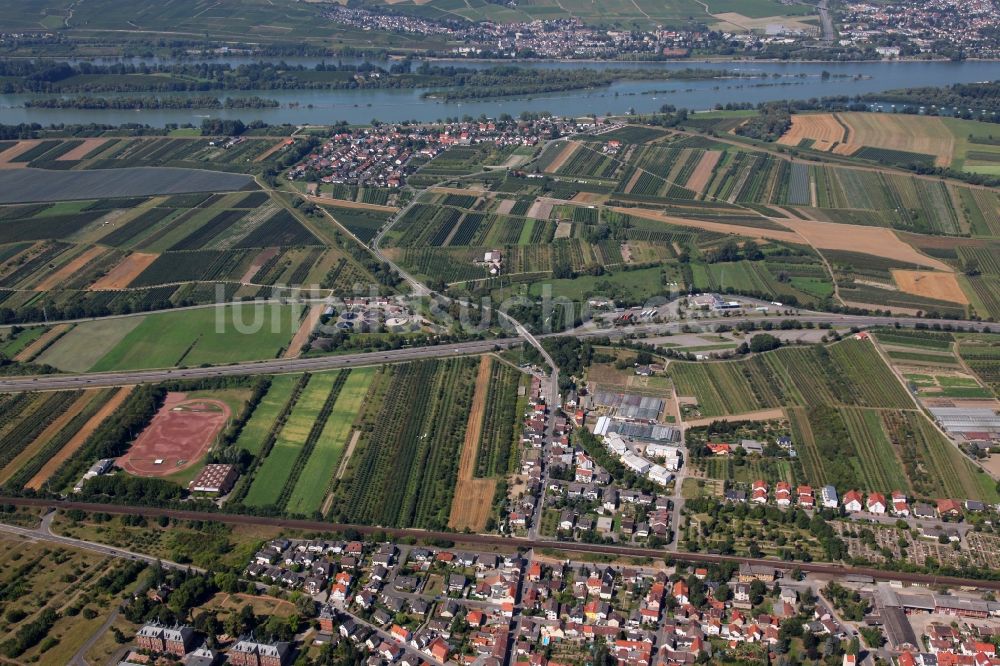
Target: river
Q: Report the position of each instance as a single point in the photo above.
(757, 82)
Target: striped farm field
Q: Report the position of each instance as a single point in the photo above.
(406, 464)
(255, 431)
(51, 440)
(272, 475)
(877, 465)
(849, 373)
(316, 476)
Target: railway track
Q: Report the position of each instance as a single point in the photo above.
(509, 542)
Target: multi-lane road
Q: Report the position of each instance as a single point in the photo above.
(490, 541)
(276, 366)
(317, 363)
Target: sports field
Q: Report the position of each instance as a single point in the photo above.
(180, 433)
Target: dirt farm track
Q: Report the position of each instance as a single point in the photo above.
(489, 541)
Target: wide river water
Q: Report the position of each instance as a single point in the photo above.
(751, 82)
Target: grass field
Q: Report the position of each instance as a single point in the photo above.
(273, 474)
(87, 342)
(317, 475)
(256, 429)
(207, 335)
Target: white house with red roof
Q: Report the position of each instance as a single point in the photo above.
(783, 493)
(900, 507)
(852, 501)
(876, 503)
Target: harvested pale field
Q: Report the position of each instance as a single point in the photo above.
(344, 203)
(735, 22)
(21, 147)
(273, 149)
(759, 415)
(43, 341)
(505, 206)
(931, 284)
(258, 263)
(894, 309)
(82, 150)
(564, 230)
(124, 272)
(846, 149)
(301, 336)
(586, 197)
(78, 439)
(927, 135)
(876, 241)
(563, 156)
(70, 268)
(703, 172)
(540, 210)
(461, 191)
(470, 508)
(633, 180)
(31, 185)
(822, 128)
(749, 232)
(51, 431)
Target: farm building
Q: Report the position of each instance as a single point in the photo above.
(962, 420)
(630, 406)
(97, 469)
(651, 432)
(215, 479)
(635, 463)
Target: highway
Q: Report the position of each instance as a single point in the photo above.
(276, 366)
(318, 363)
(486, 540)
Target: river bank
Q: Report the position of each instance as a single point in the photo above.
(753, 83)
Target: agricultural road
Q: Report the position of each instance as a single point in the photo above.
(485, 540)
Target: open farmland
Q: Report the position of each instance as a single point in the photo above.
(318, 471)
(96, 257)
(883, 451)
(278, 472)
(823, 130)
(28, 185)
(847, 373)
(209, 335)
(489, 446)
(924, 135)
(405, 466)
(35, 427)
